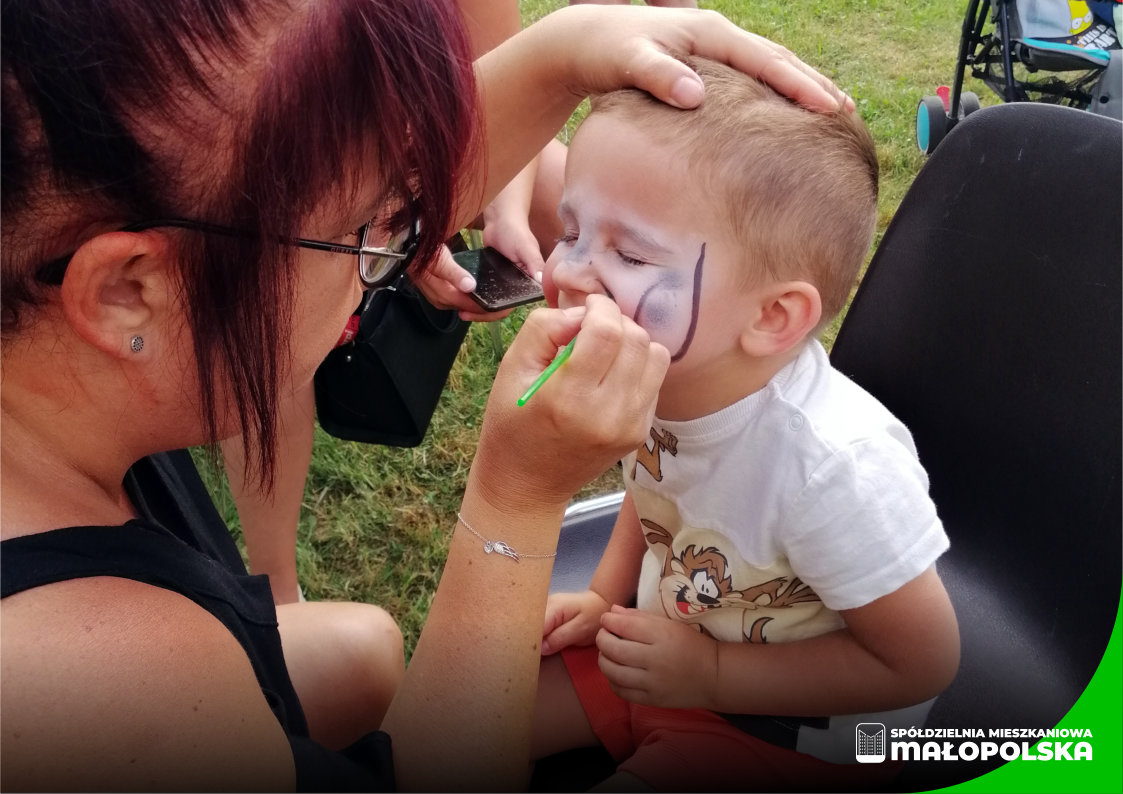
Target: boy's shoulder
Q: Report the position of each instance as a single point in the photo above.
(836, 409)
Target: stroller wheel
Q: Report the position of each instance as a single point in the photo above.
(968, 103)
(931, 123)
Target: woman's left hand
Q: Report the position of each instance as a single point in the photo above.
(446, 285)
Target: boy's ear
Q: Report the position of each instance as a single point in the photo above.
(116, 287)
(785, 313)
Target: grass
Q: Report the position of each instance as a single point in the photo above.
(376, 520)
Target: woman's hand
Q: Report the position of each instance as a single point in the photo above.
(446, 285)
(621, 46)
(530, 84)
(661, 3)
(596, 407)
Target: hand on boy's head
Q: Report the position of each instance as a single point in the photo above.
(642, 41)
(659, 3)
(655, 661)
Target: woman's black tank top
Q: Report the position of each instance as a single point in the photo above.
(180, 543)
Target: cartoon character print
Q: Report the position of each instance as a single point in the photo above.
(696, 581)
(1080, 16)
(651, 459)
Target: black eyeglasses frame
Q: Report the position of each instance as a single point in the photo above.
(52, 272)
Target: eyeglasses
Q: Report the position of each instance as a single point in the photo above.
(378, 266)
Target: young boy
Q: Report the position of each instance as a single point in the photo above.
(777, 522)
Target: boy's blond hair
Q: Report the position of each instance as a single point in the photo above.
(799, 188)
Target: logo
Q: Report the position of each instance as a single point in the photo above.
(869, 742)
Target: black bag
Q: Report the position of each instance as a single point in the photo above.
(383, 386)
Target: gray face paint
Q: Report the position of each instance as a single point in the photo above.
(658, 306)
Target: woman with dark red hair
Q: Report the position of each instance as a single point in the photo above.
(188, 189)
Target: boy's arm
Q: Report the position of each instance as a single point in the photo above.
(617, 573)
(898, 650)
(574, 618)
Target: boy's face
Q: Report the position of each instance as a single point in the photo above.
(639, 229)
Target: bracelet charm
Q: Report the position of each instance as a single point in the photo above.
(500, 546)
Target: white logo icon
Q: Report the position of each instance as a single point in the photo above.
(869, 742)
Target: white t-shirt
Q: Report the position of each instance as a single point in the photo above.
(766, 518)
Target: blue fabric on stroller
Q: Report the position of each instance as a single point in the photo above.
(1060, 36)
(1067, 37)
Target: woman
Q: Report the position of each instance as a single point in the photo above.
(185, 187)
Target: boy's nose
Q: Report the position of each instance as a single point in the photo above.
(577, 277)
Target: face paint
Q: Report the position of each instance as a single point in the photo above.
(660, 306)
(638, 230)
(662, 297)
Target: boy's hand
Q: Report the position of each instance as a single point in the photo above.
(571, 619)
(656, 661)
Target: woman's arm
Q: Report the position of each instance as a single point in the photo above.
(110, 684)
(489, 22)
(505, 219)
(462, 717)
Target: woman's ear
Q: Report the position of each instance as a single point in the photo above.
(116, 288)
(784, 314)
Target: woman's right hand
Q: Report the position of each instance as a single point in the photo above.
(595, 408)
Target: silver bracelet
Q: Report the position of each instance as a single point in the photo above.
(501, 547)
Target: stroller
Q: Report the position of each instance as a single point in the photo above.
(1062, 52)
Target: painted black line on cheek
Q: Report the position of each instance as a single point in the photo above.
(642, 300)
(693, 306)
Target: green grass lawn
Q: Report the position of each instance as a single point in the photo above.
(376, 520)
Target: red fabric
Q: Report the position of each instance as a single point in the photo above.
(696, 750)
(350, 331)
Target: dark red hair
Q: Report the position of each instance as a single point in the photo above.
(239, 112)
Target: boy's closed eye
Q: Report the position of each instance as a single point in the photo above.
(625, 257)
(631, 260)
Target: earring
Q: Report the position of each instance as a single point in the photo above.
(137, 343)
